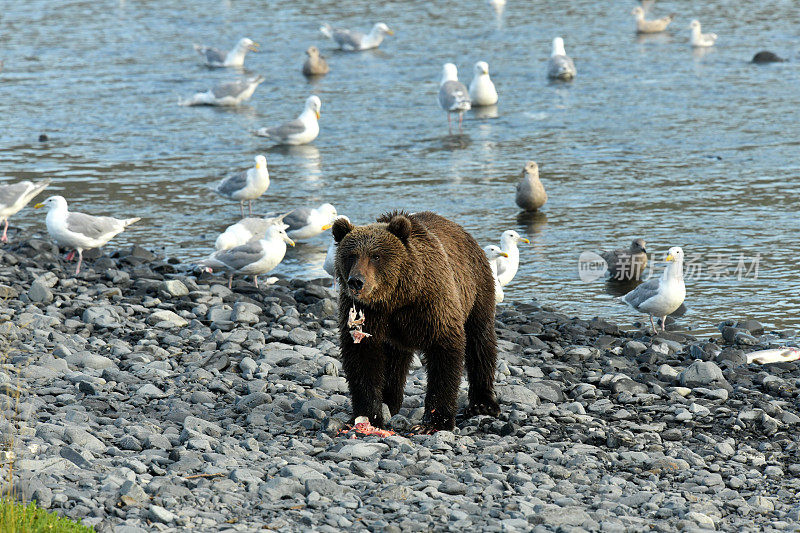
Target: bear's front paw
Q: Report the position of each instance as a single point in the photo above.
(486, 407)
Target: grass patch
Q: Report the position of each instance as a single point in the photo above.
(20, 518)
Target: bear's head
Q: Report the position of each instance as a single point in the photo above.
(370, 260)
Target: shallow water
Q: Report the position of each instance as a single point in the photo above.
(651, 140)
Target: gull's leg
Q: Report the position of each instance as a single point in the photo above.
(241, 206)
(4, 238)
(230, 281)
(653, 325)
(449, 124)
(255, 280)
(664, 323)
(250, 206)
(80, 260)
(460, 118)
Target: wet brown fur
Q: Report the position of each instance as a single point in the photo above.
(427, 286)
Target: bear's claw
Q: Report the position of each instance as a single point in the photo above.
(490, 408)
(422, 429)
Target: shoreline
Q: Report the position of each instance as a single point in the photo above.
(141, 397)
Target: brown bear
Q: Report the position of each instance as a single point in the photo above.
(415, 282)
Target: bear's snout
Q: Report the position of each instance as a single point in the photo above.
(355, 282)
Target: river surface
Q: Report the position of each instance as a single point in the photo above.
(652, 139)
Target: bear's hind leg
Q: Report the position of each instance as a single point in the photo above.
(397, 364)
(444, 366)
(481, 361)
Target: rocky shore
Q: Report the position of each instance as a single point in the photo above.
(142, 396)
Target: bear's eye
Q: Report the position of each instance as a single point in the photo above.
(376, 257)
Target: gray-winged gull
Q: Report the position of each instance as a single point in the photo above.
(230, 93)
(627, 264)
(246, 185)
(661, 296)
(453, 95)
(699, 39)
(507, 266)
(560, 65)
(530, 191)
(305, 223)
(650, 26)
(315, 64)
(353, 41)
(253, 258)
(481, 89)
(301, 130)
(244, 231)
(80, 231)
(214, 57)
(493, 254)
(15, 196)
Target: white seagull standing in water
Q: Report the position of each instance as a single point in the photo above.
(661, 296)
(481, 90)
(301, 130)
(15, 196)
(701, 40)
(560, 65)
(246, 185)
(231, 93)
(453, 95)
(78, 230)
(214, 57)
(354, 41)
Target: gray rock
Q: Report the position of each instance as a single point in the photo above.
(519, 395)
(40, 293)
(363, 450)
(167, 318)
(175, 288)
(103, 316)
(132, 494)
(160, 514)
(302, 337)
(150, 391)
(702, 373)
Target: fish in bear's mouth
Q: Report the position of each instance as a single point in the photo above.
(355, 322)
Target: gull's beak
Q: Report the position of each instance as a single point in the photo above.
(523, 239)
(503, 254)
(253, 47)
(669, 258)
(317, 113)
(37, 206)
(390, 32)
(326, 227)
(289, 241)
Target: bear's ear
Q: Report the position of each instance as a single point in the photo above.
(400, 227)
(341, 227)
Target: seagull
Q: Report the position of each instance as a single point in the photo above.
(493, 254)
(315, 65)
(15, 196)
(214, 57)
(626, 265)
(530, 191)
(244, 231)
(305, 222)
(330, 257)
(301, 130)
(701, 40)
(253, 258)
(507, 266)
(453, 95)
(246, 185)
(560, 65)
(353, 41)
(78, 230)
(661, 296)
(481, 89)
(230, 93)
(650, 26)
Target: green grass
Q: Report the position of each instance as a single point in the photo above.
(20, 518)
